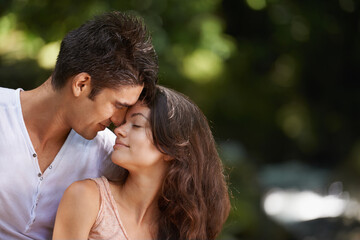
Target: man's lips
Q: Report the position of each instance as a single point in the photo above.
(102, 126)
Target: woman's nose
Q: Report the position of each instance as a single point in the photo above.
(121, 130)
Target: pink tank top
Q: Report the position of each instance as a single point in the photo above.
(108, 225)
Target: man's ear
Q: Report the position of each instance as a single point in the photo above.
(81, 84)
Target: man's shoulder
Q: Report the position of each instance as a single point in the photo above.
(6, 91)
(103, 142)
(7, 95)
(102, 137)
(106, 137)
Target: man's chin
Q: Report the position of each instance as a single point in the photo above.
(88, 135)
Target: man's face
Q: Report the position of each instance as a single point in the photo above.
(109, 105)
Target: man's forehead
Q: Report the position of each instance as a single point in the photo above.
(127, 95)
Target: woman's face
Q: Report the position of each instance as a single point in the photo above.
(134, 149)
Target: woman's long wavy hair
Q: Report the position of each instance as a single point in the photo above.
(194, 200)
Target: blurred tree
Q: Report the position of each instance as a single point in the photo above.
(278, 79)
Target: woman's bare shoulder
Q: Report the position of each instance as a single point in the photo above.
(77, 211)
(83, 189)
(82, 195)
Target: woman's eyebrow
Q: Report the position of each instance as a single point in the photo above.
(139, 114)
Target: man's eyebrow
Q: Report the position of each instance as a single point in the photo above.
(139, 114)
(117, 103)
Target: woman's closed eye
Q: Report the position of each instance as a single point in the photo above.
(138, 120)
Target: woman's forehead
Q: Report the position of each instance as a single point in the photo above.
(139, 107)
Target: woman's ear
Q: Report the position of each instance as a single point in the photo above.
(81, 84)
(168, 157)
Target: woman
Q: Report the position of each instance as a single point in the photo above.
(173, 187)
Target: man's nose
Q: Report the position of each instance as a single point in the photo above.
(118, 117)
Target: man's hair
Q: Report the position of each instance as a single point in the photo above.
(114, 49)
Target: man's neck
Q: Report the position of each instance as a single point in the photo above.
(44, 116)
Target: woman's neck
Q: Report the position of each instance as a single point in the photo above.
(139, 195)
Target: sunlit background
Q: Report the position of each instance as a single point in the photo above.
(277, 79)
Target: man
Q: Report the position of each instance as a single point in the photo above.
(56, 134)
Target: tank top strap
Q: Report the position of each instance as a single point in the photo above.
(101, 183)
(107, 203)
(103, 186)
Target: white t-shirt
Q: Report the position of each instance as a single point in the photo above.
(29, 199)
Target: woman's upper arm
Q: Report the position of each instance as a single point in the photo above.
(77, 211)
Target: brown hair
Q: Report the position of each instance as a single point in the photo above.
(114, 49)
(194, 201)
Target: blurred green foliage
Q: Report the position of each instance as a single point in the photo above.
(277, 79)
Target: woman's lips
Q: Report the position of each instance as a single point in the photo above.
(120, 144)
